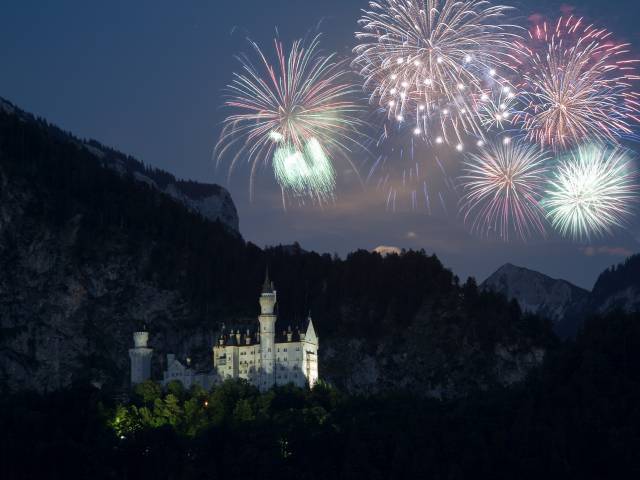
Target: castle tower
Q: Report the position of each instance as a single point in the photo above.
(310, 343)
(267, 321)
(140, 357)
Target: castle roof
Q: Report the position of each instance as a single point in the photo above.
(281, 334)
(231, 338)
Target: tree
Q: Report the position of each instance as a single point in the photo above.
(148, 391)
(243, 412)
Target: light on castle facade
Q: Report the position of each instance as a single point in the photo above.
(263, 357)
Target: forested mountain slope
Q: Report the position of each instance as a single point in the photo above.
(88, 253)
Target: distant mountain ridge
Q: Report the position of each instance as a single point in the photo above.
(536, 292)
(564, 303)
(211, 201)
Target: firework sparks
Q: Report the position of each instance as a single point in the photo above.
(307, 171)
(591, 191)
(497, 107)
(502, 186)
(426, 61)
(577, 85)
(296, 114)
(410, 174)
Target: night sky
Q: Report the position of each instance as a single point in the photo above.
(146, 78)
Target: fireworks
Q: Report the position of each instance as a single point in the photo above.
(503, 185)
(591, 191)
(425, 61)
(496, 108)
(307, 171)
(577, 85)
(296, 114)
(434, 72)
(410, 174)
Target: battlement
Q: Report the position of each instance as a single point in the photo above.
(140, 339)
(268, 302)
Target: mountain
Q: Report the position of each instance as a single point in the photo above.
(536, 292)
(209, 200)
(565, 304)
(89, 252)
(387, 250)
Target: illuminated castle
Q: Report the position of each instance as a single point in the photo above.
(263, 357)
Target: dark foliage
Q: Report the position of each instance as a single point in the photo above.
(218, 273)
(577, 417)
(617, 278)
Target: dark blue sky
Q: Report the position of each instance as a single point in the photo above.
(146, 78)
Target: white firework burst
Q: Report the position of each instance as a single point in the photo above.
(591, 192)
(425, 62)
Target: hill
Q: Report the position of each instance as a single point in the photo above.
(88, 253)
(209, 200)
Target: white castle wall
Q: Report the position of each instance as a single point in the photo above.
(259, 359)
(140, 357)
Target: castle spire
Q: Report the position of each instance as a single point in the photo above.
(267, 287)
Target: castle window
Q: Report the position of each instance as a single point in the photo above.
(285, 349)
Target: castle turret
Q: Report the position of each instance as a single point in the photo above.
(267, 321)
(310, 344)
(268, 297)
(289, 334)
(140, 357)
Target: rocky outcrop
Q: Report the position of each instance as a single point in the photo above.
(211, 201)
(66, 318)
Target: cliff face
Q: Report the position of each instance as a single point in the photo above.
(90, 250)
(68, 311)
(211, 201)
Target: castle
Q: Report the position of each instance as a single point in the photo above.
(263, 357)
